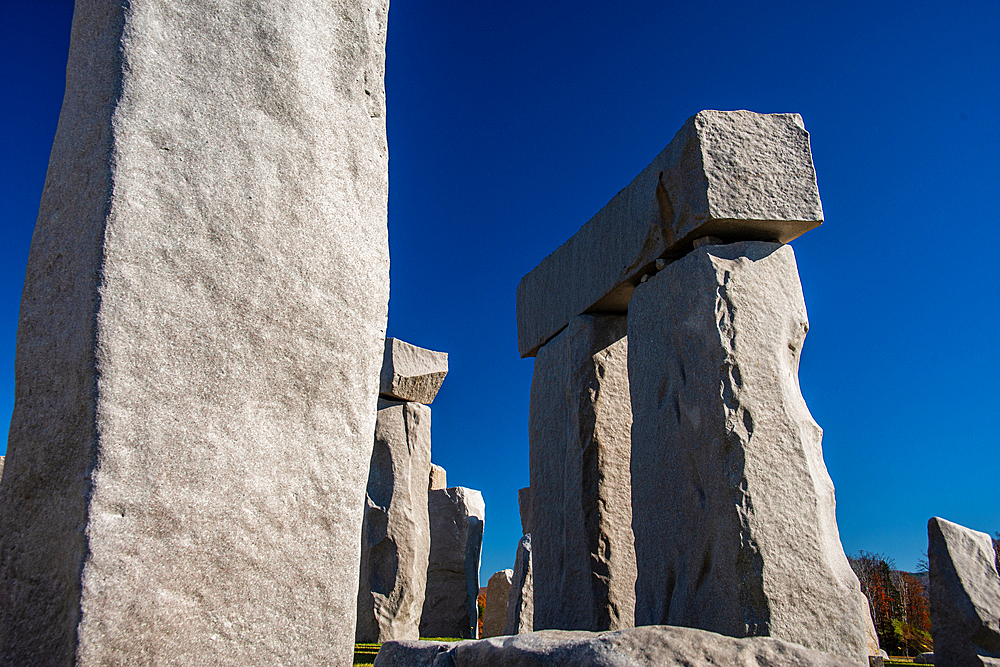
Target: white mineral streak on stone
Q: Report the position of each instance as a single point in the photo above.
(964, 596)
(655, 646)
(438, 478)
(457, 518)
(736, 175)
(497, 594)
(524, 506)
(411, 373)
(520, 610)
(200, 339)
(579, 436)
(395, 537)
(1, 468)
(733, 509)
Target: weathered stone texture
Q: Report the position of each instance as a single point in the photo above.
(964, 596)
(457, 518)
(395, 536)
(212, 237)
(520, 606)
(438, 478)
(497, 594)
(524, 506)
(654, 646)
(411, 373)
(733, 509)
(736, 175)
(579, 436)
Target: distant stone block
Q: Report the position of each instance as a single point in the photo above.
(497, 595)
(411, 373)
(964, 596)
(438, 478)
(456, 517)
(395, 537)
(520, 606)
(733, 175)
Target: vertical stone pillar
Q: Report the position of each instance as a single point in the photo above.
(578, 426)
(457, 518)
(520, 606)
(200, 339)
(733, 509)
(497, 595)
(395, 538)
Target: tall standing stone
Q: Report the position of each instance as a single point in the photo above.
(579, 437)
(524, 508)
(520, 606)
(200, 340)
(395, 537)
(964, 596)
(457, 518)
(733, 509)
(497, 594)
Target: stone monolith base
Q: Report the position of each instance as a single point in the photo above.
(520, 606)
(732, 507)
(578, 429)
(395, 538)
(457, 518)
(200, 340)
(497, 595)
(964, 596)
(655, 646)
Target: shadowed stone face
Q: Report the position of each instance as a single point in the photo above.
(200, 339)
(497, 595)
(964, 595)
(732, 507)
(520, 606)
(578, 429)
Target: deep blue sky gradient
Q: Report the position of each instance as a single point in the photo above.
(511, 123)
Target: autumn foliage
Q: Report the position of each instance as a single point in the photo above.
(898, 604)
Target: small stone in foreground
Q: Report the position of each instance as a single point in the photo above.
(964, 595)
(411, 373)
(497, 594)
(662, 646)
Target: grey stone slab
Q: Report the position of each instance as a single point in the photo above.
(653, 646)
(457, 518)
(520, 606)
(579, 442)
(411, 373)
(438, 478)
(964, 595)
(497, 595)
(395, 536)
(212, 237)
(735, 175)
(524, 506)
(926, 658)
(733, 509)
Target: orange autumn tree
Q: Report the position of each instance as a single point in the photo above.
(898, 604)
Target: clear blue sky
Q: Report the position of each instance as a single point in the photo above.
(511, 123)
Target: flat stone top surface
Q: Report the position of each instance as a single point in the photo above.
(735, 175)
(412, 373)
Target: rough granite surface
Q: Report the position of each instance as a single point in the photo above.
(520, 606)
(395, 536)
(733, 508)
(524, 507)
(652, 646)
(736, 175)
(200, 338)
(457, 518)
(964, 596)
(497, 595)
(411, 373)
(579, 442)
(438, 478)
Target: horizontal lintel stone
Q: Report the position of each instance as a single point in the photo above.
(733, 175)
(411, 373)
